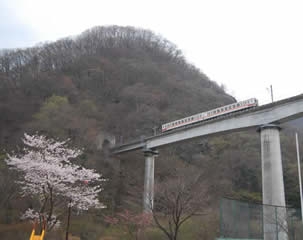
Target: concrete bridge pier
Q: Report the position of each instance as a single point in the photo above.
(148, 195)
(274, 218)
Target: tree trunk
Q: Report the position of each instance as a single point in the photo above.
(68, 220)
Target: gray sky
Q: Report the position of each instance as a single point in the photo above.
(247, 45)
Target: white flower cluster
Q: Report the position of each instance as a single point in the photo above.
(48, 170)
(30, 214)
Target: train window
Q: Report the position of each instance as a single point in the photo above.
(222, 109)
(225, 108)
(192, 118)
(238, 104)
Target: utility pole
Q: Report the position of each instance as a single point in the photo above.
(272, 95)
(299, 171)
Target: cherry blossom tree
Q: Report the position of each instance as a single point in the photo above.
(49, 175)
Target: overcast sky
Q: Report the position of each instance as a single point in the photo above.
(247, 45)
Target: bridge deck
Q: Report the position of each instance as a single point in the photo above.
(277, 112)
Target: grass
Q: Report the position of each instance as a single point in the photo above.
(87, 227)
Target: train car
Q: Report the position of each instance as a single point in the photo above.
(238, 106)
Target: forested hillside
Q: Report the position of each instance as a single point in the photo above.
(122, 82)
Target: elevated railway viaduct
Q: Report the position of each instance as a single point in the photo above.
(266, 119)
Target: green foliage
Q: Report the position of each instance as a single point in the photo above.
(52, 108)
(57, 117)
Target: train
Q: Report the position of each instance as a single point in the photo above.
(234, 107)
